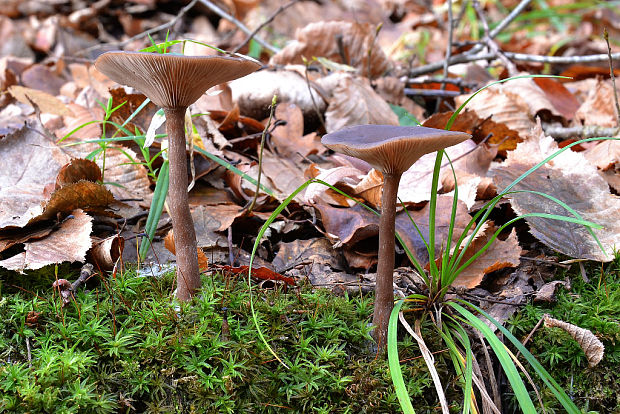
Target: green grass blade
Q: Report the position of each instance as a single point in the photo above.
(232, 168)
(394, 363)
(525, 402)
(559, 393)
(157, 206)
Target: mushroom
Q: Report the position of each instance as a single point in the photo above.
(174, 82)
(391, 150)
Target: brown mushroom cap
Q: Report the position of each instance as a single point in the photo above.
(391, 149)
(172, 81)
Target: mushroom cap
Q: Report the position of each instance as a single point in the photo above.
(172, 81)
(388, 148)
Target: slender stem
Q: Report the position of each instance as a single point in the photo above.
(188, 277)
(384, 292)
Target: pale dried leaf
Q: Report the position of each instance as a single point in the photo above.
(354, 102)
(606, 157)
(30, 163)
(572, 179)
(319, 40)
(44, 101)
(591, 345)
(125, 178)
(598, 109)
(67, 244)
(317, 192)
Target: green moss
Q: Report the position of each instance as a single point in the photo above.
(594, 306)
(123, 344)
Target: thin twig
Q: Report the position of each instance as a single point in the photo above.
(220, 12)
(260, 153)
(613, 77)
(522, 57)
(437, 93)
(491, 44)
(448, 53)
(167, 25)
(526, 340)
(263, 24)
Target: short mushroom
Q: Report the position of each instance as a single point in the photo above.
(391, 150)
(174, 82)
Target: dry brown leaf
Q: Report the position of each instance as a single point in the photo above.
(562, 101)
(370, 188)
(288, 139)
(568, 177)
(81, 118)
(591, 345)
(354, 102)
(126, 179)
(86, 195)
(127, 104)
(546, 293)
(42, 78)
(203, 261)
(501, 254)
(106, 252)
(78, 169)
(314, 259)
(316, 192)
(415, 183)
(44, 101)
(597, 109)
(503, 107)
(30, 163)
(286, 176)
(497, 134)
(67, 244)
(319, 40)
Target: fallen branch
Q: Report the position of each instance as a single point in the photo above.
(220, 12)
(586, 131)
(521, 57)
(263, 24)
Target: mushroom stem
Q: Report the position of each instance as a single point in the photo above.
(188, 277)
(384, 292)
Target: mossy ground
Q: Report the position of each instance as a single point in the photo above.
(122, 346)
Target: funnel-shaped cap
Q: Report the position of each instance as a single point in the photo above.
(172, 81)
(391, 149)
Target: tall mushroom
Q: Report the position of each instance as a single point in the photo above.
(391, 150)
(174, 82)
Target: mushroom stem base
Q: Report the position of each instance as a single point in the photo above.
(188, 276)
(384, 292)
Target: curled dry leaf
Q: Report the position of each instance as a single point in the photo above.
(568, 177)
(203, 261)
(67, 244)
(591, 345)
(125, 178)
(313, 258)
(319, 40)
(105, 252)
(78, 169)
(338, 176)
(354, 102)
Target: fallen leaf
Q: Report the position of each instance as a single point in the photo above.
(547, 293)
(31, 161)
(499, 255)
(314, 259)
(560, 98)
(289, 139)
(261, 273)
(597, 108)
(203, 261)
(44, 101)
(354, 102)
(67, 244)
(338, 176)
(568, 177)
(319, 40)
(76, 170)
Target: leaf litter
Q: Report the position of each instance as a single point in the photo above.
(341, 72)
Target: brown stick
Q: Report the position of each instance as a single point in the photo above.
(263, 24)
(188, 277)
(384, 293)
